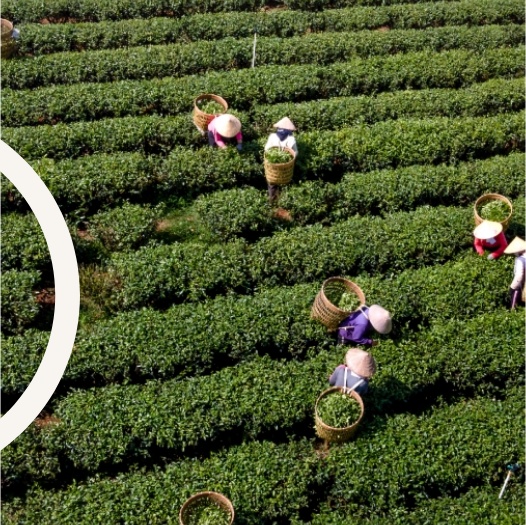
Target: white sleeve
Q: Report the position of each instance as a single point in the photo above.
(271, 142)
(518, 274)
(291, 143)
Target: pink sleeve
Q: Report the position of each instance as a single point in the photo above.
(478, 246)
(502, 243)
(219, 140)
(239, 137)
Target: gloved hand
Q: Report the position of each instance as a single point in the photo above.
(491, 257)
(239, 147)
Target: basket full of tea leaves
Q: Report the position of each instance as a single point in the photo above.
(337, 298)
(207, 508)
(206, 107)
(493, 207)
(279, 165)
(338, 414)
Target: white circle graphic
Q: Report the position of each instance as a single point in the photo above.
(67, 295)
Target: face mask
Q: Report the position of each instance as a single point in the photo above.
(282, 133)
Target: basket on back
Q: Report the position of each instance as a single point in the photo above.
(202, 119)
(8, 44)
(214, 498)
(279, 174)
(324, 309)
(485, 199)
(334, 434)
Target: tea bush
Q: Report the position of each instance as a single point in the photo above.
(243, 212)
(38, 39)
(148, 344)
(248, 88)
(19, 306)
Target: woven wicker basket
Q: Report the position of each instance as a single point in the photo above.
(490, 197)
(8, 44)
(328, 313)
(219, 499)
(280, 174)
(202, 119)
(333, 434)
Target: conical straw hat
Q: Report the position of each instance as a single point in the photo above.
(518, 245)
(360, 362)
(285, 123)
(487, 230)
(227, 125)
(380, 318)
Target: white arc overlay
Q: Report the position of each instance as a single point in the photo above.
(67, 295)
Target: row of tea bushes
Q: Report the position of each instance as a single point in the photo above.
(408, 459)
(232, 54)
(191, 338)
(39, 39)
(96, 10)
(248, 88)
(181, 271)
(266, 481)
(157, 134)
(106, 427)
(244, 212)
(19, 307)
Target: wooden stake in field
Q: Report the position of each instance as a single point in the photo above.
(254, 47)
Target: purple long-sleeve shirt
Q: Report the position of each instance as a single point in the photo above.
(338, 376)
(354, 328)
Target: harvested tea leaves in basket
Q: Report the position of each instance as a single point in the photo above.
(494, 210)
(349, 301)
(338, 410)
(278, 156)
(206, 512)
(210, 107)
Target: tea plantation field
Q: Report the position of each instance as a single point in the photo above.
(196, 365)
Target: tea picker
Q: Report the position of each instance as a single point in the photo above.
(357, 326)
(359, 367)
(282, 138)
(512, 469)
(224, 129)
(517, 247)
(489, 235)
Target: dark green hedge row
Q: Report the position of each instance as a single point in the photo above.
(24, 246)
(232, 54)
(19, 307)
(95, 10)
(478, 504)
(109, 426)
(156, 134)
(38, 39)
(410, 459)
(244, 212)
(123, 228)
(186, 339)
(170, 273)
(491, 97)
(246, 88)
(265, 482)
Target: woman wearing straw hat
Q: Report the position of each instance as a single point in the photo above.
(359, 367)
(489, 236)
(282, 138)
(356, 327)
(224, 129)
(517, 247)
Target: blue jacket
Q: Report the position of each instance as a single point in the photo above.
(338, 375)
